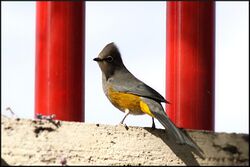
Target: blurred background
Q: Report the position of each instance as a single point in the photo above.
(139, 30)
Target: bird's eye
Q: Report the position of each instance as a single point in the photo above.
(109, 59)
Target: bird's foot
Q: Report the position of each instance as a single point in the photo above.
(153, 124)
(124, 125)
(153, 127)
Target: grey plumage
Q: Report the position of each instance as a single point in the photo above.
(134, 86)
(158, 111)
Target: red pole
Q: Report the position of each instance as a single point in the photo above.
(190, 63)
(59, 80)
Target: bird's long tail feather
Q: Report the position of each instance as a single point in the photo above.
(179, 135)
(158, 112)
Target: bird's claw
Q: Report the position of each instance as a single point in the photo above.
(124, 125)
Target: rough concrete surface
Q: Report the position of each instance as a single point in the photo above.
(40, 142)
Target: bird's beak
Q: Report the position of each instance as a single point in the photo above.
(97, 59)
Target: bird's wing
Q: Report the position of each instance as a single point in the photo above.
(130, 84)
(144, 90)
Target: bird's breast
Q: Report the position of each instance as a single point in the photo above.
(124, 101)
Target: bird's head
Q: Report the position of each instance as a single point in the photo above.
(109, 60)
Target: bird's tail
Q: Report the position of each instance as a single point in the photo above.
(158, 112)
(179, 135)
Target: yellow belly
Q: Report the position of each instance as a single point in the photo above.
(128, 101)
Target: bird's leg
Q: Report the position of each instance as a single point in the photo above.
(153, 123)
(126, 114)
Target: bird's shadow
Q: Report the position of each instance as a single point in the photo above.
(184, 152)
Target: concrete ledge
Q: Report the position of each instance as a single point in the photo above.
(40, 142)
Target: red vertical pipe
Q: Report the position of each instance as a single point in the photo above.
(59, 80)
(190, 63)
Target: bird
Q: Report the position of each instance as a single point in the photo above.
(132, 96)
